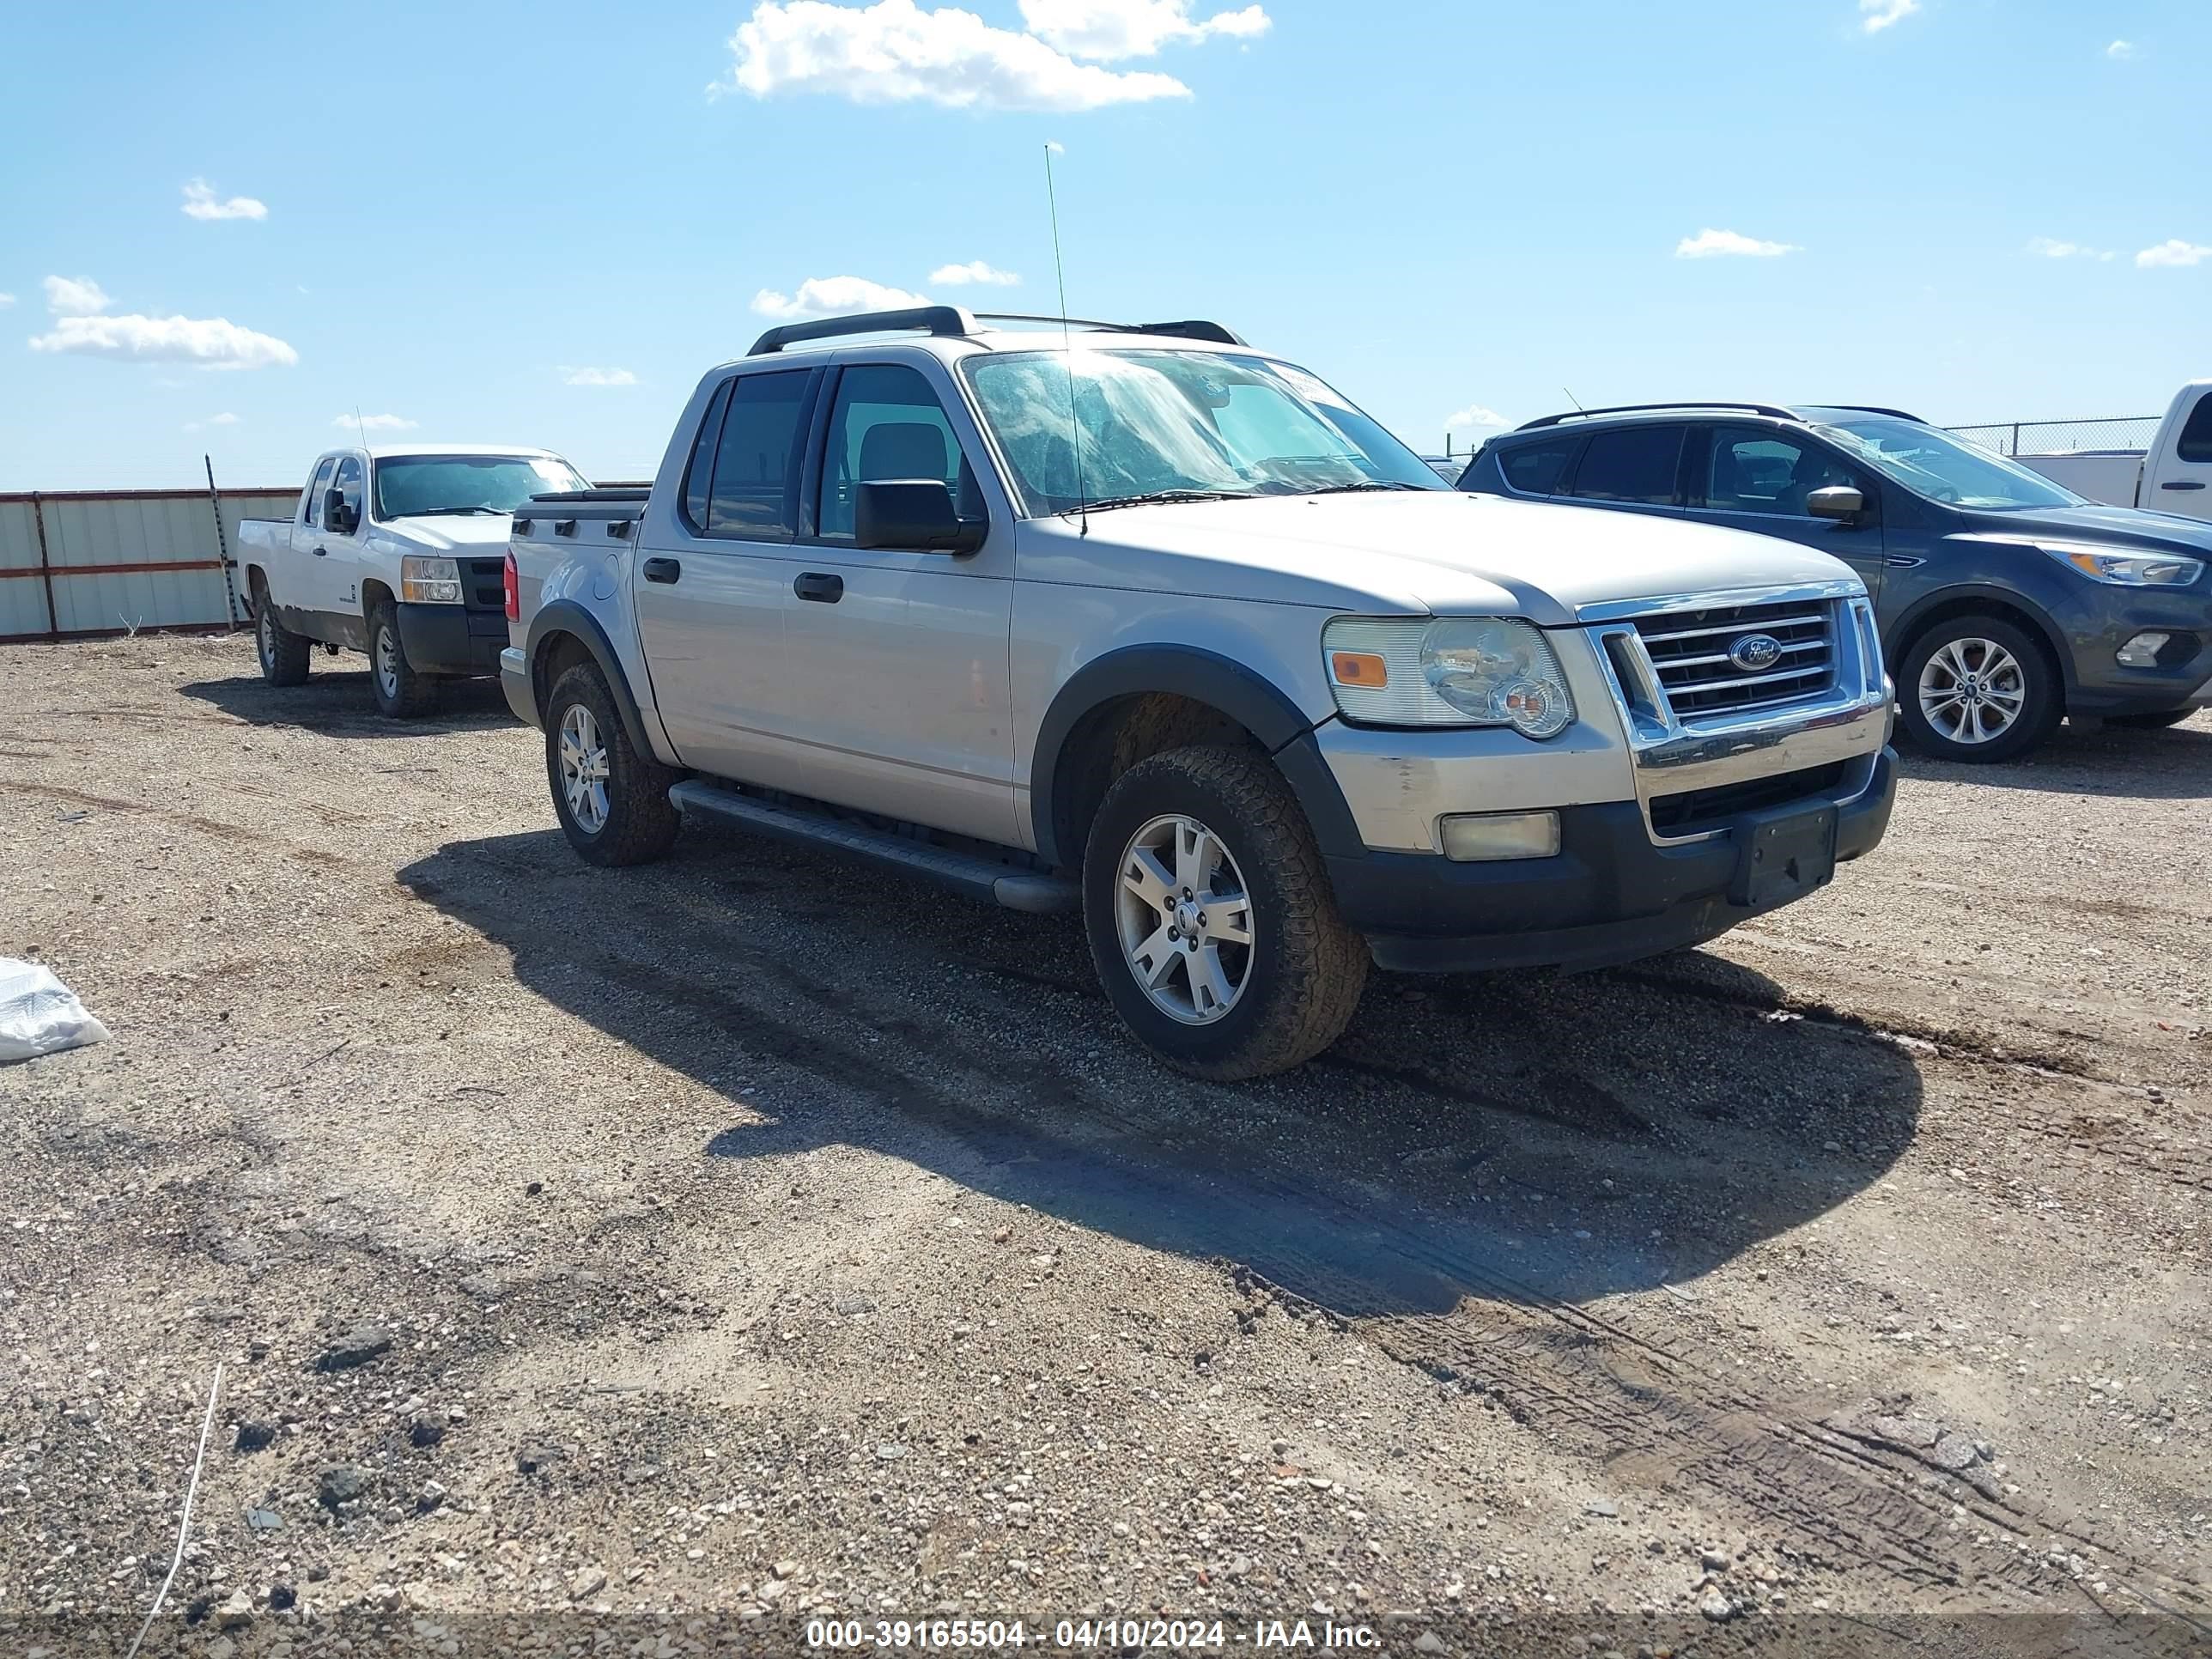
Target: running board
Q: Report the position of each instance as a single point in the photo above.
(978, 877)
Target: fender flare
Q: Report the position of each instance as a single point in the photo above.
(1247, 697)
(2010, 599)
(567, 617)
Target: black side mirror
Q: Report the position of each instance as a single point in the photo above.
(336, 515)
(1840, 501)
(917, 514)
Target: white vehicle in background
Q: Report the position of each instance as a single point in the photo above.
(400, 553)
(2175, 475)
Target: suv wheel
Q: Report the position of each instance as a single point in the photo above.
(400, 692)
(283, 653)
(1211, 919)
(1979, 689)
(613, 801)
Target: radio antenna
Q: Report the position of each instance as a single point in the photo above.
(1571, 399)
(360, 426)
(1067, 342)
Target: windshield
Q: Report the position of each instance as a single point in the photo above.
(417, 486)
(1177, 424)
(1930, 462)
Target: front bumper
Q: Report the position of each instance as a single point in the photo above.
(451, 640)
(1612, 895)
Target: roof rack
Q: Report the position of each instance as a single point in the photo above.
(1874, 409)
(1775, 410)
(954, 322)
(936, 319)
(1189, 328)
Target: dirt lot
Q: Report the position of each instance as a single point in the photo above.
(694, 1249)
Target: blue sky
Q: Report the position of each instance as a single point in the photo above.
(443, 214)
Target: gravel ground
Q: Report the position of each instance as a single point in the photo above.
(651, 1260)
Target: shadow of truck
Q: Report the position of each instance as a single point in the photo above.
(1525, 1137)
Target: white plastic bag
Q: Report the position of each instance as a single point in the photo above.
(39, 1015)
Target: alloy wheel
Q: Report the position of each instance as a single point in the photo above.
(584, 769)
(1184, 917)
(1972, 690)
(387, 662)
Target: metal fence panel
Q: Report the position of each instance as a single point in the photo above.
(2063, 437)
(120, 560)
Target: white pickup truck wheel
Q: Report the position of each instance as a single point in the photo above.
(400, 692)
(612, 801)
(284, 655)
(1211, 919)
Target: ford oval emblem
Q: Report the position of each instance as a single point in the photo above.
(1754, 652)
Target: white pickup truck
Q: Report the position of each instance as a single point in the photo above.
(2175, 475)
(396, 552)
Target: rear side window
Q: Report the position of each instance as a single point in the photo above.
(2196, 443)
(1630, 463)
(321, 482)
(1534, 469)
(700, 473)
(755, 495)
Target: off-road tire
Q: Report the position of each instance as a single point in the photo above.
(641, 821)
(411, 694)
(284, 655)
(2044, 706)
(2157, 721)
(1308, 967)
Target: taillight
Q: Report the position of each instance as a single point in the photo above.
(511, 581)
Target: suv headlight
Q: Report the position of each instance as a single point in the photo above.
(2102, 562)
(1447, 670)
(427, 580)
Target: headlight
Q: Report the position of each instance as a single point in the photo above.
(427, 580)
(1449, 671)
(2124, 569)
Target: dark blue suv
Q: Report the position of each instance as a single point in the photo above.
(2006, 603)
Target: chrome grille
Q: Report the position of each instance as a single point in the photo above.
(1690, 649)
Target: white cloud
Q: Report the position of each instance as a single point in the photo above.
(1875, 16)
(597, 376)
(6, 300)
(375, 422)
(833, 297)
(2174, 252)
(75, 296)
(200, 203)
(2121, 50)
(2050, 247)
(1132, 28)
(224, 419)
(1473, 415)
(974, 272)
(893, 51)
(209, 342)
(1711, 243)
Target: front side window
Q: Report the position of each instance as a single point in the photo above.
(1630, 464)
(1534, 469)
(2196, 443)
(1752, 470)
(1930, 462)
(755, 494)
(1098, 425)
(429, 486)
(888, 426)
(347, 481)
(322, 481)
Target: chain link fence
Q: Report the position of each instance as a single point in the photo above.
(2061, 437)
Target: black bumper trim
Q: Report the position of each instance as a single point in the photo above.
(451, 640)
(1610, 895)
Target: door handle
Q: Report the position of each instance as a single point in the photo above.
(663, 570)
(822, 589)
(322, 552)
(2189, 483)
